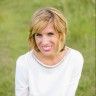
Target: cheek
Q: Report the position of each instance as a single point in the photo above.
(38, 42)
(57, 38)
(56, 41)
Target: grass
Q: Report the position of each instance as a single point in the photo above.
(14, 19)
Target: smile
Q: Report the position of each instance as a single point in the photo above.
(46, 48)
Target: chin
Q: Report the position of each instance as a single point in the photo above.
(46, 52)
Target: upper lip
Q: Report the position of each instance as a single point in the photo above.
(46, 46)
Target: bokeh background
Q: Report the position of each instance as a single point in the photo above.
(15, 16)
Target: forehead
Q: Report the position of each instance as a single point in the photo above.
(48, 28)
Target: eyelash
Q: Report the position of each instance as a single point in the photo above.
(50, 33)
(39, 35)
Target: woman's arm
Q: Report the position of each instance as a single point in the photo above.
(21, 78)
(76, 74)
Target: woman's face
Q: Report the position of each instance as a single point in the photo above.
(47, 41)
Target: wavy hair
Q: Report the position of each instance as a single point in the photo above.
(41, 18)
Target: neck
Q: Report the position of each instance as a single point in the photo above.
(51, 60)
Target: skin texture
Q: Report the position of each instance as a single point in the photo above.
(47, 42)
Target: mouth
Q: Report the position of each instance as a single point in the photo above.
(46, 48)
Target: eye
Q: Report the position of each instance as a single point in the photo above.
(50, 33)
(38, 34)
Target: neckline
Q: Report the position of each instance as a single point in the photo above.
(52, 66)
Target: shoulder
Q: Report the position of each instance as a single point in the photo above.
(22, 67)
(77, 55)
(23, 59)
(76, 59)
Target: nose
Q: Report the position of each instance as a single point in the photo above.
(45, 40)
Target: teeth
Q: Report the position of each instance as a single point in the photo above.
(46, 48)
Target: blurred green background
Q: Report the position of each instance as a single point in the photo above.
(14, 28)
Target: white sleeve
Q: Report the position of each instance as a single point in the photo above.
(76, 75)
(21, 79)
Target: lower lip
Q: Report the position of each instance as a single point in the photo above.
(47, 49)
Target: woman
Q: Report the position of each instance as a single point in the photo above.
(50, 68)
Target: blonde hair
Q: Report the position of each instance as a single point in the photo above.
(40, 20)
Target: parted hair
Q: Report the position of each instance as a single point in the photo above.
(41, 18)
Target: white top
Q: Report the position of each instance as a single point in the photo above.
(33, 78)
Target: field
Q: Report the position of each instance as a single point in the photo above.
(14, 27)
